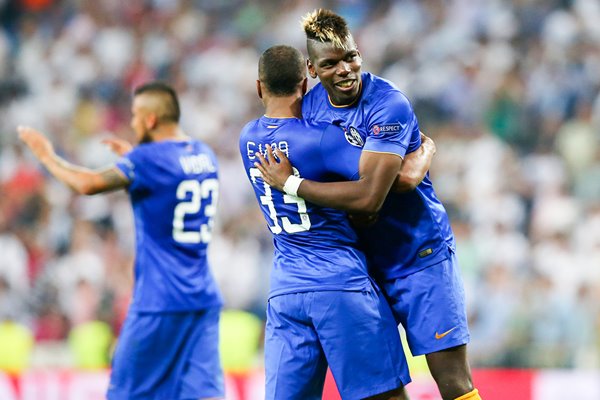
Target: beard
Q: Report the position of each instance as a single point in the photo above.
(146, 137)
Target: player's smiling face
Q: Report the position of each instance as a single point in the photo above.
(338, 70)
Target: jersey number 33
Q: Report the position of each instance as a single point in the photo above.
(267, 200)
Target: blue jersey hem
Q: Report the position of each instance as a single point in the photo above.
(138, 309)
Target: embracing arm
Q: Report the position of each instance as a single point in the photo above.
(366, 195)
(81, 180)
(378, 171)
(378, 174)
(415, 166)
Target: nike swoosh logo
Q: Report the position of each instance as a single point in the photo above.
(438, 336)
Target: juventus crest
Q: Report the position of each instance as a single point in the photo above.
(353, 137)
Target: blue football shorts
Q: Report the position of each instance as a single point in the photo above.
(430, 305)
(171, 355)
(352, 331)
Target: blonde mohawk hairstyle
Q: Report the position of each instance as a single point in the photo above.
(326, 26)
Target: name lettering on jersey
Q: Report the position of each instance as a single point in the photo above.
(353, 137)
(197, 164)
(252, 148)
(377, 129)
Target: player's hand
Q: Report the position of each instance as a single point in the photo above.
(118, 146)
(362, 220)
(273, 172)
(39, 144)
(427, 141)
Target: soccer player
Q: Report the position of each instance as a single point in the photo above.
(323, 307)
(168, 346)
(411, 245)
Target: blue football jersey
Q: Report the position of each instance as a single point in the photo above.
(413, 230)
(173, 190)
(315, 247)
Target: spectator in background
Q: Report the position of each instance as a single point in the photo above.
(16, 339)
(240, 334)
(91, 344)
(16, 346)
(14, 260)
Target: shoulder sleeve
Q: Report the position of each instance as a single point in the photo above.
(339, 156)
(392, 125)
(130, 165)
(126, 165)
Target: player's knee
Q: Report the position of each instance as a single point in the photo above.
(451, 372)
(453, 386)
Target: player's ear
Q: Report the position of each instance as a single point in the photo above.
(151, 121)
(258, 89)
(311, 69)
(304, 86)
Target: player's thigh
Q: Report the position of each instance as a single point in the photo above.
(201, 375)
(361, 342)
(139, 358)
(295, 365)
(152, 355)
(132, 356)
(430, 304)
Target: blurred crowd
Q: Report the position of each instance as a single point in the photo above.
(509, 91)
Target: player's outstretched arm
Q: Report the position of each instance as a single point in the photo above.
(82, 180)
(378, 171)
(415, 166)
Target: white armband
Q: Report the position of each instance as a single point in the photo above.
(292, 183)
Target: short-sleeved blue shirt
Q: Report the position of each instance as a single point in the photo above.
(173, 191)
(413, 230)
(315, 247)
